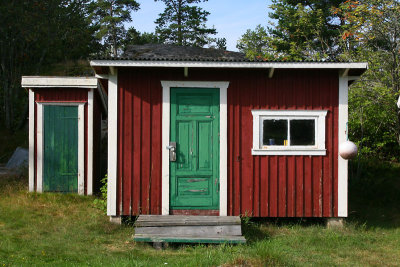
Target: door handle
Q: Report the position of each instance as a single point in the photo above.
(172, 151)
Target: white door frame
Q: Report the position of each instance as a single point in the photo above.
(223, 146)
(81, 144)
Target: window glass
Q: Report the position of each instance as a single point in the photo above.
(275, 132)
(302, 132)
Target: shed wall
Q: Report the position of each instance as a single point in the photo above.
(260, 186)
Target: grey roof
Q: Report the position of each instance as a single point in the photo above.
(169, 52)
(179, 53)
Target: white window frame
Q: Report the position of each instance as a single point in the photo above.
(317, 149)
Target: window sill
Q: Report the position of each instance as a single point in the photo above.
(289, 152)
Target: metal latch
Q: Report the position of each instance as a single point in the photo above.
(172, 151)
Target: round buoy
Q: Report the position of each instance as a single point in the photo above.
(348, 150)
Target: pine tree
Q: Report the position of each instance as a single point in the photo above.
(109, 16)
(182, 23)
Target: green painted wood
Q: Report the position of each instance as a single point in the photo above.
(191, 239)
(60, 153)
(194, 127)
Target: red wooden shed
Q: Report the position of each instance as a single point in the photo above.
(207, 132)
(64, 133)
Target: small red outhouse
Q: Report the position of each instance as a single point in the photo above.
(64, 133)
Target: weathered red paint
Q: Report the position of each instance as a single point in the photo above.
(260, 186)
(61, 94)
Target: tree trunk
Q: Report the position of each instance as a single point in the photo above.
(180, 37)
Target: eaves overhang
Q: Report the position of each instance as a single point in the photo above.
(353, 68)
(58, 82)
(224, 64)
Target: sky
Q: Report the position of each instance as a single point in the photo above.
(231, 18)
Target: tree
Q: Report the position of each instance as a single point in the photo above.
(255, 43)
(301, 30)
(34, 35)
(221, 43)
(134, 37)
(182, 23)
(109, 16)
(306, 29)
(371, 32)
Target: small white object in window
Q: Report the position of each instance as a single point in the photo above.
(348, 150)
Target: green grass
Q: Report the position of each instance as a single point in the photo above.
(62, 229)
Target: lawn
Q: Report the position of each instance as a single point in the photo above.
(62, 229)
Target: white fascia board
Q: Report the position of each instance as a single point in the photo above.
(208, 64)
(43, 81)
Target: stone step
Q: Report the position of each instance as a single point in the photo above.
(189, 239)
(209, 230)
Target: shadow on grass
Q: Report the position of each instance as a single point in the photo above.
(374, 193)
(255, 229)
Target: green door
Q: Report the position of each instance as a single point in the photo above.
(194, 176)
(60, 154)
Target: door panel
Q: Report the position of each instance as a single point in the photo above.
(204, 146)
(194, 177)
(184, 134)
(60, 153)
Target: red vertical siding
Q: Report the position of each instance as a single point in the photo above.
(261, 186)
(139, 139)
(61, 94)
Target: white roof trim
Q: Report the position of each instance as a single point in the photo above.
(45, 81)
(208, 64)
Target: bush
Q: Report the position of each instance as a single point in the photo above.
(101, 202)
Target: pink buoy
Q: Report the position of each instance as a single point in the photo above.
(348, 150)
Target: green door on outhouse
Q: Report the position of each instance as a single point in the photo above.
(60, 140)
(194, 176)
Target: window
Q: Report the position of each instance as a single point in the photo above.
(289, 132)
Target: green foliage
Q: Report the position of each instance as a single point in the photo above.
(134, 37)
(374, 187)
(372, 33)
(108, 17)
(35, 35)
(221, 43)
(255, 43)
(300, 30)
(305, 29)
(101, 202)
(182, 23)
